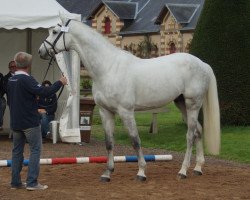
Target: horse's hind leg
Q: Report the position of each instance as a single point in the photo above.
(108, 125)
(199, 150)
(129, 122)
(192, 107)
(180, 104)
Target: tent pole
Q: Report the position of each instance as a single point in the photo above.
(29, 41)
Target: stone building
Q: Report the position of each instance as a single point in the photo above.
(147, 28)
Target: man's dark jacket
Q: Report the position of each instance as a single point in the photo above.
(22, 91)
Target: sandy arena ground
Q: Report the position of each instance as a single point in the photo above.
(221, 179)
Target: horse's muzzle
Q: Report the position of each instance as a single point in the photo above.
(43, 54)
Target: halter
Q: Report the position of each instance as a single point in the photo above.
(56, 40)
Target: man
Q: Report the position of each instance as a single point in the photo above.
(47, 108)
(12, 70)
(22, 91)
(4, 82)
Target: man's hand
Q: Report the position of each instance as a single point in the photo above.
(63, 80)
(41, 110)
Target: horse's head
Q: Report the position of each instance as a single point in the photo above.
(57, 40)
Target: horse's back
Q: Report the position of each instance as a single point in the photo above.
(164, 78)
(172, 62)
(176, 67)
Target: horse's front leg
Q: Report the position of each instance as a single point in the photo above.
(108, 125)
(129, 122)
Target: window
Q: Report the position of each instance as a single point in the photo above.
(107, 27)
(172, 48)
(171, 24)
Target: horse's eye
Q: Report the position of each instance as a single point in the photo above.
(54, 32)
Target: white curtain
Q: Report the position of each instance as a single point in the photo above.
(69, 120)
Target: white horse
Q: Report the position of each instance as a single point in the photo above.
(124, 83)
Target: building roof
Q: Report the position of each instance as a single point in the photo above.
(187, 11)
(145, 21)
(183, 13)
(122, 9)
(141, 16)
(141, 3)
(83, 7)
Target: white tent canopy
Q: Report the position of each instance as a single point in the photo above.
(30, 14)
(23, 27)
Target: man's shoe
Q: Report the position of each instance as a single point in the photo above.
(19, 187)
(37, 187)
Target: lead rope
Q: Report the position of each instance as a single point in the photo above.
(50, 63)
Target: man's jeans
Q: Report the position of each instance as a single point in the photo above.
(33, 137)
(45, 120)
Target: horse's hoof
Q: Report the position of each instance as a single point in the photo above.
(105, 179)
(197, 173)
(181, 176)
(141, 178)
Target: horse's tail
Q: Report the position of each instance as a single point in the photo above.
(211, 118)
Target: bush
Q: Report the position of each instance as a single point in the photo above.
(222, 40)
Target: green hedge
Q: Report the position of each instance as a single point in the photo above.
(222, 39)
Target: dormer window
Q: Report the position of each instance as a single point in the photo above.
(107, 26)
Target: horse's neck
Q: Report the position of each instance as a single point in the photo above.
(95, 52)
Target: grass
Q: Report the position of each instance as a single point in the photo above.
(235, 143)
(235, 140)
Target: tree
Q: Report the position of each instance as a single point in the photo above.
(222, 40)
(144, 49)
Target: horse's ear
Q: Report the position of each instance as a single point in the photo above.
(63, 17)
